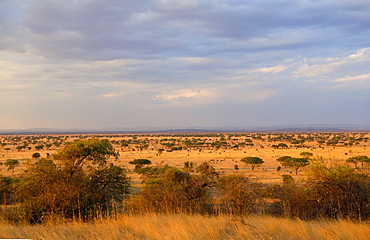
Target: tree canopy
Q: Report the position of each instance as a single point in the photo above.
(306, 155)
(359, 159)
(11, 164)
(295, 163)
(253, 161)
(71, 190)
(75, 154)
(139, 163)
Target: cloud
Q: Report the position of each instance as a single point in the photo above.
(365, 78)
(273, 70)
(332, 68)
(186, 94)
(112, 95)
(166, 55)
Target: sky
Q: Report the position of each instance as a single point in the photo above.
(163, 63)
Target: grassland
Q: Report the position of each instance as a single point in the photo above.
(220, 148)
(224, 151)
(191, 227)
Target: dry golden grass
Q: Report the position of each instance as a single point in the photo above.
(191, 227)
(194, 226)
(224, 158)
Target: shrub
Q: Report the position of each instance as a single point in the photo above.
(189, 166)
(239, 195)
(6, 190)
(66, 189)
(334, 193)
(287, 179)
(36, 155)
(172, 191)
(340, 192)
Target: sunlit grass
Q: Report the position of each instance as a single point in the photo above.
(182, 226)
(225, 157)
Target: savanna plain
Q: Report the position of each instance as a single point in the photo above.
(282, 185)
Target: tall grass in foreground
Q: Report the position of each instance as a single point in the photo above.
(180, 226)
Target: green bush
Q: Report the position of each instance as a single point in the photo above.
(68, 190)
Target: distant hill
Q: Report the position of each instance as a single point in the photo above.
(172, 129)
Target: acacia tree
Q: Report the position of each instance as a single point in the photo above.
(76, 154)
(11, 164)
(253, 161)
(139, 163)
(19, 148)
(66, 188)
(365, 160)
(294, 163)
(359, 159)
(280, 145)
(306, 155)
(39, 147)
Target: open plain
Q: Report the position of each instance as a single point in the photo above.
(223, 150)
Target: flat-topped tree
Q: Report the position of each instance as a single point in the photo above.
(306, 155)
(365, 160)
(139, 163)
(295, 163)
(39, 147)
(253, 161)
(359, 159)
(281, 145)
(11, 164)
